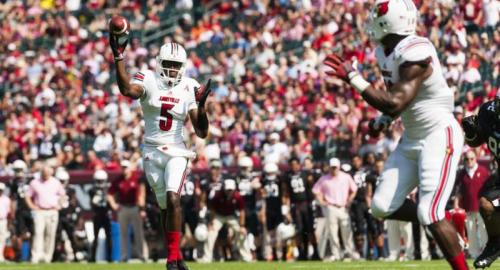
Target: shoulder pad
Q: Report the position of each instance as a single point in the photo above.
(487, 115)
(413, 49)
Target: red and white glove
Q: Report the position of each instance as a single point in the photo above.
(347, 71)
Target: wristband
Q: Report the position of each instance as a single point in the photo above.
(357, 81)
(119, 57)
(285, 210)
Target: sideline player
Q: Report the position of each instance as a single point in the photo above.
(429, 151)
(479, 129)
(167, 98)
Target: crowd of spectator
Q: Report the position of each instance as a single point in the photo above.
(61, 107)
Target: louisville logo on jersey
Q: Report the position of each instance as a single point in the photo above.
(382, 8)
(139, 76)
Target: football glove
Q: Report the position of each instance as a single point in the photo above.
(201, 93)
(379, 124)
(341, 68)
(118, 44)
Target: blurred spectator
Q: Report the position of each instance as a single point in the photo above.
(127, 198)
(5, 218)
(23, 221)
(248, 185)
(335, 192)
(227, 208)
(68, 217)
(271, 192)
(297, 205)
(400, 232)
(469, 183)
(44, 199)
(358, 209)
(189, 194)
(375, 227)
(101, 213)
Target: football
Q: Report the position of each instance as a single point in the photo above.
(119, 25)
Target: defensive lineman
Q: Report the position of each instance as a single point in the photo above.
(167, 97)
(479, 129)
(429, 151)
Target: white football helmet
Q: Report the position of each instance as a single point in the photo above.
(245, 162)
(392, 17)
(201, 232)
(171, 52)
(271, 168)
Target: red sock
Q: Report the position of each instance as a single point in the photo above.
(458, 262)
(172, 244)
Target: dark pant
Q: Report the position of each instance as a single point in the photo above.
(303, 219)
(359, 212)
(105, 223)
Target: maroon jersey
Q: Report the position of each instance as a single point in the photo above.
(127, 189)
(227, 206)
(470, 187)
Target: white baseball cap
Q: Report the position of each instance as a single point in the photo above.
(275, 136)
(100, 175)
(2, 186)
(334, 162)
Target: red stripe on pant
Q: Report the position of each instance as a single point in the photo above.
(183, 179)
(444, 176)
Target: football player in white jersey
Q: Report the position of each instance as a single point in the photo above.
(167, 98)
(429, 152)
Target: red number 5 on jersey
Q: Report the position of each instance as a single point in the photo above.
(166, 125)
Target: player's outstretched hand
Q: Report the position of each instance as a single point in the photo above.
(201, 93)
(118, 43)
(469, 124)
(341, 68)
(379, 124)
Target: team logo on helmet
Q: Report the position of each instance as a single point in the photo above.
(382, 8)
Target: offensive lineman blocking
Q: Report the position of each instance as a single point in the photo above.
(167, 98)
(429, 152)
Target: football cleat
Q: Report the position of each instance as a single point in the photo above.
(182, 265)
(489, 255)
(172, 266)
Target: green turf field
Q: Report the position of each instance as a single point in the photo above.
(248, 266)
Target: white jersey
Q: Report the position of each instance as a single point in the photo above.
(165, 108)
(432, 108)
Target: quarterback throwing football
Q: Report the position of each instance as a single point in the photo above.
(429, 152)
(167, 98)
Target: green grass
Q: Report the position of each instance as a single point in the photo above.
(430, 265)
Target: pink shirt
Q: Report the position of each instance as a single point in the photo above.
(335, 190)
(4, 207)
(46, 194)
